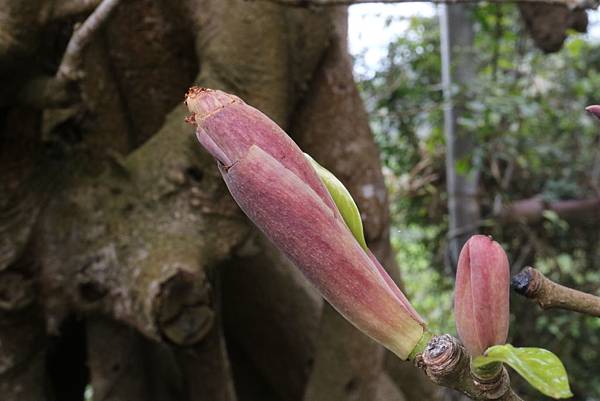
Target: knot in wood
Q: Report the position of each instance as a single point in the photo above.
(442, 355)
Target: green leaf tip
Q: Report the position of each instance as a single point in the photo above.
(540, 367)
(343, 200)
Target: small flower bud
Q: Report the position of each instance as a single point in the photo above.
(482, 294)
(594, 109)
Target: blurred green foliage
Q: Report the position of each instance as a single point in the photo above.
(526, 111)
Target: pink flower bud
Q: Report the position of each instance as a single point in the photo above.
(481, 295)
(594, 109)
(279, 190)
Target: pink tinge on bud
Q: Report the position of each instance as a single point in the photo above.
(594, 109)
(481, 298)
(203, 101)
(277, 188)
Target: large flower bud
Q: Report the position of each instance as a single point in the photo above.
(482, 294)
(280, 191)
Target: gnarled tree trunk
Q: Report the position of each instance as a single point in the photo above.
(124, 263)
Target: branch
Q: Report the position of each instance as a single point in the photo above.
(532, 210)
(71, 61)
(532, 284)
(61, 90)
(447, 364)
(150, 269)
(571, 4)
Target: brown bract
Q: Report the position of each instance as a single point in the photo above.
(202, 102)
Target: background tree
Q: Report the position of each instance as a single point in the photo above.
(458, 70)
(538, 156)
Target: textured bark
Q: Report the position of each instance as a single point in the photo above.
(22, 356)
(20, 147)
(278, 311)
(116, 366)
(149, 57)
(130, 367)
(264, 53)
(163, 248)
(115, 219)
(548, 24)
(19, 30)
(348, 365)
(28, 30)
(22, 333)
(404, 372)
(532, 284)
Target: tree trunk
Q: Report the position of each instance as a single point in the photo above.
(124, 263)
(458, 71)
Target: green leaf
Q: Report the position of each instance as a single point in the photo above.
(540, 367)
(551, 215)
(343, 201)
(462, 166)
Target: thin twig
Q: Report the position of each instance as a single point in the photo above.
(70, 65)
(447, 364)
(61, 90)
(583, 4)
(532, 284)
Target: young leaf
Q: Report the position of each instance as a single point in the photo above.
(540, 367)
(343, 201)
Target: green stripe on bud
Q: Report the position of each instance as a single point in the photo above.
(343, 200)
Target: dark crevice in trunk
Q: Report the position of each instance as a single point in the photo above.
(66, 361)
(249, 384)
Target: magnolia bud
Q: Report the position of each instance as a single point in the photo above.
(594, 109)
(280, 191)
(482, 294)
